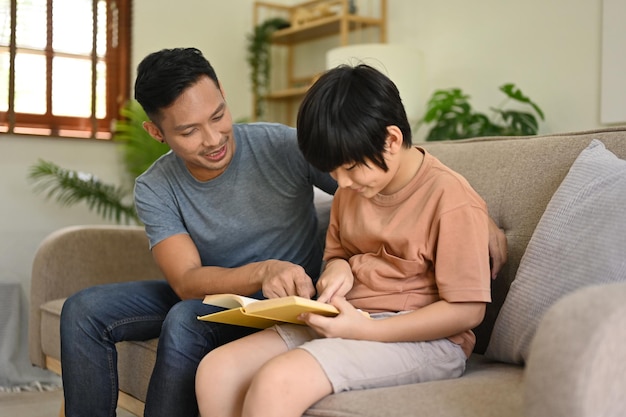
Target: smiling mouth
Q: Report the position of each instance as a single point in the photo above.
(217, 154)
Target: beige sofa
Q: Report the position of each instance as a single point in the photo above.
(576, 361)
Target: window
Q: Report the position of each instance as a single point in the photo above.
(64, 66)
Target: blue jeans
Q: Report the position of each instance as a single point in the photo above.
(96, 318)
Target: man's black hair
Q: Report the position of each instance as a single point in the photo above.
(162, 77)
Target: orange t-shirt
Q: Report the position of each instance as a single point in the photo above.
(427, 242)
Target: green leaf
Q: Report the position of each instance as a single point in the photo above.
(450, 116)
(520, 123)
(138, 148)
(259, 59)
(71, 187)
(515, 93)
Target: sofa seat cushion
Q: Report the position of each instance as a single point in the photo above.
(487, 389)
(135, 359)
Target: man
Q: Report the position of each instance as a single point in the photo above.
(228, 210)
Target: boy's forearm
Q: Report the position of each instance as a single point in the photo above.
(435, 321)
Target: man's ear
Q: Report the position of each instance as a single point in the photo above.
(154, 131)
(394, 140)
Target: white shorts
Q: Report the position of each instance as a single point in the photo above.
(362, 364)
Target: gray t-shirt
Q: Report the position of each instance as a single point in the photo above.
(259, 208)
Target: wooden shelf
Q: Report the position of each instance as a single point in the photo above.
(322, 27)
(311, 20)
(287, 93)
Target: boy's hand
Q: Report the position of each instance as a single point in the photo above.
(336, 280)
(349, 324)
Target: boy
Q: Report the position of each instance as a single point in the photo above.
(407, 242)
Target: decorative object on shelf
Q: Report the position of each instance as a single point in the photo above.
(401, 63)
(303, 15)
(69, 187)
(352, 7)
(259, 59)
(454, 118)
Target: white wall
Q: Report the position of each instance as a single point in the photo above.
(549, 49)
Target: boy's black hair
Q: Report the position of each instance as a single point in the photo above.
(162, 77)
(344, 117)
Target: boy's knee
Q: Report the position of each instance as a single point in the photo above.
(211, 368)
(216, 365)
(269, 380)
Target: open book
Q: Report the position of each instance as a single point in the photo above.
(250, 312)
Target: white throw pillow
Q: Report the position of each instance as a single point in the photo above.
(579, 241)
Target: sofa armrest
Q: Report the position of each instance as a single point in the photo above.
(577, 360)
(77, 257)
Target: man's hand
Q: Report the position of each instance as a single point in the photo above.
(180, 262)
(281, 279)
(497, 248)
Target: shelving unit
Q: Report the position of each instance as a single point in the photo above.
(313, 21)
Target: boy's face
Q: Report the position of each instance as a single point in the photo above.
(198, 128)
(366, 180)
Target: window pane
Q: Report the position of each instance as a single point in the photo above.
(101, 93)
(30, 31)
(5, 38)
(101, 35)
(67, 100)
(72, 34)
(4, 81)
(30, 83)
(5, 22)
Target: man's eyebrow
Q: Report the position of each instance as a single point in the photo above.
(218, 110)
(184, 127)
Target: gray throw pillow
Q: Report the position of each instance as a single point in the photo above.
(579, 241)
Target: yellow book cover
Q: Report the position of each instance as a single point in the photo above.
(250, 312)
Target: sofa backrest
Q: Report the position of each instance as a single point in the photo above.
(517, 176)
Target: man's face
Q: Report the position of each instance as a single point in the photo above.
(198, 127)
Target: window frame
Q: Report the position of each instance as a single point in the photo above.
(117, 59)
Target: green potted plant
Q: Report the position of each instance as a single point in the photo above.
(259, 59)
(451, 116)
(69, 187)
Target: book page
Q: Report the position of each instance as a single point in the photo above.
(228, 300)
(237, 317)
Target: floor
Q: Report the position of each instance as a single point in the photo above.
(36, 404)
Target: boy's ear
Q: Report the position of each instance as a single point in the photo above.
(154, 131)
(394, 139)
